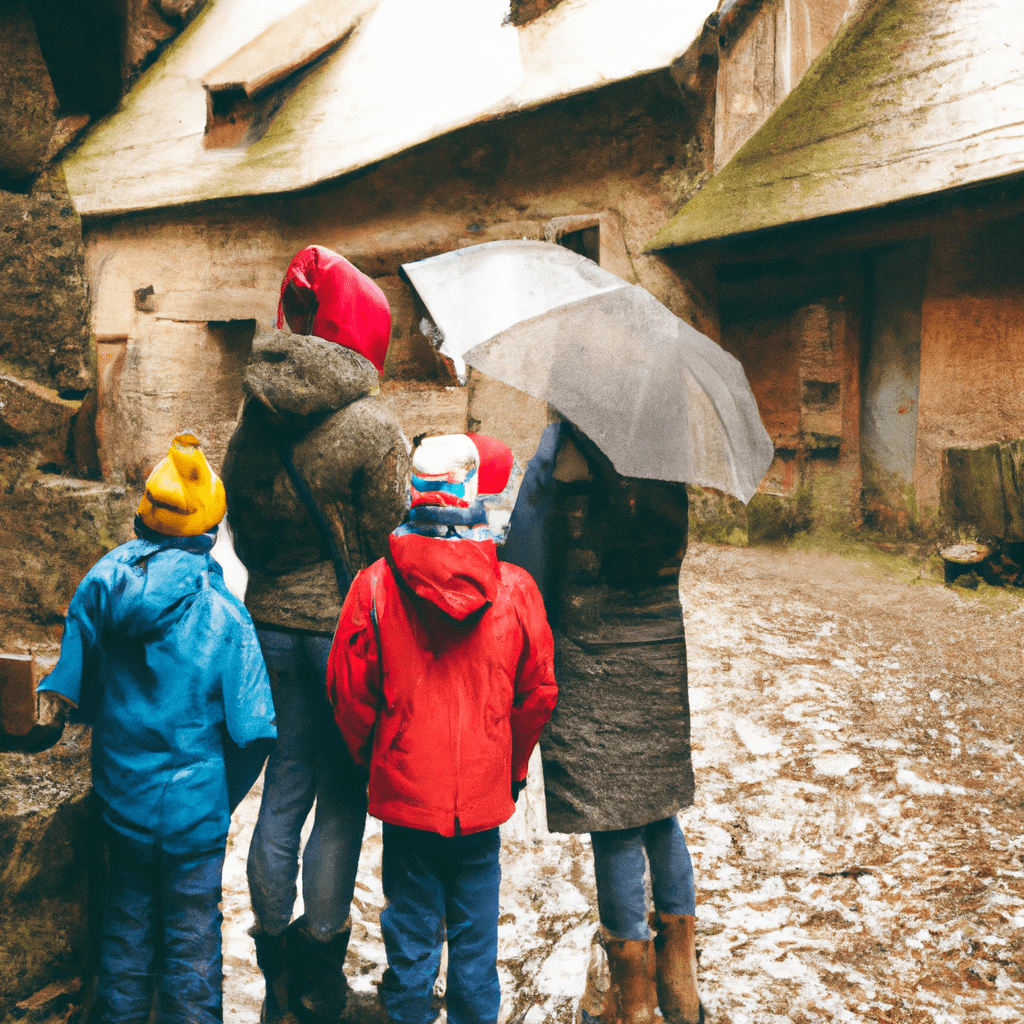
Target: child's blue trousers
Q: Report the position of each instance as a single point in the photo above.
(433, 884)
(160, 935)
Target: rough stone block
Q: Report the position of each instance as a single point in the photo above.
(47, 855)
(44, 308)
(28, 103)
(28, 410)
(50, 535)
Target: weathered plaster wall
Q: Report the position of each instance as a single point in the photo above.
(972, 345)
(797, 331)
(626, 151)
(891, 386)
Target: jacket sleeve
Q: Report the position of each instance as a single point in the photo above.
(248, 704)
(354, 669)
(74, 675)
(536, 692)
(528, 543)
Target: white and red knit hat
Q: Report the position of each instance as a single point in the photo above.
(452, 469)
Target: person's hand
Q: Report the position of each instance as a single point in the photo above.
(44, 734)
(38, 738)
(517, 788)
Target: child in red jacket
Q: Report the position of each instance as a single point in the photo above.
(442, 677)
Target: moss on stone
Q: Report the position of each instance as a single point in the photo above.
(820, 129)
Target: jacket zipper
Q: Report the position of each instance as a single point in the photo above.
(457, 750)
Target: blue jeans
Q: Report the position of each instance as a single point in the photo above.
(619, 872)
(160, 935)
(308, 761)
(436, 884)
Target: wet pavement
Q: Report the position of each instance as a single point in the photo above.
(858, 836)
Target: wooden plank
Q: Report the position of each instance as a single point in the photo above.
(17, 693)
(292, 43)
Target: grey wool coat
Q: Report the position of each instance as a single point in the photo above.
(317, 397)
(606, 551)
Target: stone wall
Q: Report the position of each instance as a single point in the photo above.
(57, 517)
(46, 865)
(797, 331)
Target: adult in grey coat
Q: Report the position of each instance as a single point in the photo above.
(606, 551)
(316, 475)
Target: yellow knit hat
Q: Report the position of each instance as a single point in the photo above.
(184, 497)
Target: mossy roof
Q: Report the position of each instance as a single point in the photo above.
(911, 97)
(409, 71)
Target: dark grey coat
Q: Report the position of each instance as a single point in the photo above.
(606, 551)
(350, 451)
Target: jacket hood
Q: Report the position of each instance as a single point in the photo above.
(324, 295)
(458, 577)
(295, 376)
(156, 593)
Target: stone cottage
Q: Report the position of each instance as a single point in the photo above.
(389, 131)
(860, 248)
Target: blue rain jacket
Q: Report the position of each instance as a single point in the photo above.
(164, 662)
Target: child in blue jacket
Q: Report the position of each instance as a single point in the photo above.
(164, 662)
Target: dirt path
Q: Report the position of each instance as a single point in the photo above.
(857, 838)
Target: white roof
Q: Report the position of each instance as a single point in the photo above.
(410, 71)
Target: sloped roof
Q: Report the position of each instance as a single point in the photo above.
(911, 97)
(286, 46)
(410, 71)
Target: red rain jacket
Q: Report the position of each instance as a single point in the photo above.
(443, 694)
(324, 295)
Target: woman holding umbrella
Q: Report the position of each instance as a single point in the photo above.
(606, 551)
(648, 402)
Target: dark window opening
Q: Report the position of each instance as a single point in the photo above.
(821, 394)
(824, 453)
(586, 242)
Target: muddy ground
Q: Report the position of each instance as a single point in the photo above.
(858, 836)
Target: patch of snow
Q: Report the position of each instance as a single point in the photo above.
(925, 787)
(755, 738)
(848, 665)
(836, 765)
(565, 969)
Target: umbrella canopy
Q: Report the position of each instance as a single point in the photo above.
(660, 399)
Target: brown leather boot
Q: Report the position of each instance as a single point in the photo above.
(631, 965)
(598, 1005)
(676, 952)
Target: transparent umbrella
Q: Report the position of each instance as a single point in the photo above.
(660, 399)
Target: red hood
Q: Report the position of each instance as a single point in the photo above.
(324, 295)
(458, 577)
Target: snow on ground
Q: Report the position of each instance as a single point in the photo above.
(857, 838)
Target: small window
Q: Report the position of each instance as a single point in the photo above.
(597, 236)
(586, 242)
